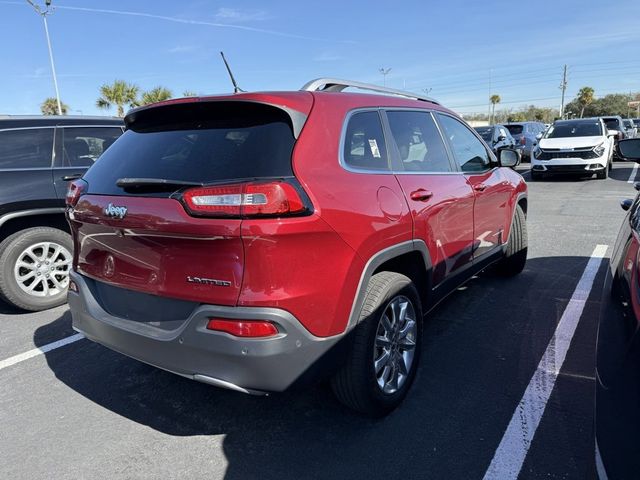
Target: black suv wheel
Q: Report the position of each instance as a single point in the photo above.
(34, 268)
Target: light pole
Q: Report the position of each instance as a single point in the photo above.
(384, 72)
(43, 13)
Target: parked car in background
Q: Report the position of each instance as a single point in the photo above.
(38, 157)
(636, 122)
(309, 232)
(525, 135)
(617, 406)
(580, 146)
(630, 129)
(615, 124)
(497, 137)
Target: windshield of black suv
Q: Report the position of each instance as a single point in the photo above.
(515, 129)
(486, 133)
(577, 128)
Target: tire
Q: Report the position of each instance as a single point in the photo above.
(29, 246)
(516, 255)
(357, 384)
(602, 175)
(535, 176)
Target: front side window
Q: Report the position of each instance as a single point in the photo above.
(364, 145)
(28, 148)
(81, 146)
(419, 142)
(467, 149)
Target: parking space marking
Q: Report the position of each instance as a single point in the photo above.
(512, 451)
(632, 177)
(39, 351)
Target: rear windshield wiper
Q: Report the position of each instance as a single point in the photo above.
(154, 184)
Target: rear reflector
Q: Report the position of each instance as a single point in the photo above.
(243, 328)
(75, 190)
(277, 198)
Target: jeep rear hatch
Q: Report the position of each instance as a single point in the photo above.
(161, 210)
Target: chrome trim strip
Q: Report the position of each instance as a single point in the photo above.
(26, 128)
(338, 85)
(25, 213)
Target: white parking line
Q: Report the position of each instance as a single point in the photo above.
(512, 451)
(39, 351)
(632, 177)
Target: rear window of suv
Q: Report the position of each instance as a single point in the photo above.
(515, 129)
(218, 145)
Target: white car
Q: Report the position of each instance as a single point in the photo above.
(581, 146)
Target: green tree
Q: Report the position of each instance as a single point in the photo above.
(189, 93)
(494, 99)
(157, 94)
(50, 107)
(119, 93)
(585, 98)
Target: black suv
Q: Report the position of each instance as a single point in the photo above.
(38, 156)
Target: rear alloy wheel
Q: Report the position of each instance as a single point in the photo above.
(34, 268)
(384, 355)
(516, 255)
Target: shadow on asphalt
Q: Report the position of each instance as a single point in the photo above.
(480, 348)
(6, 309)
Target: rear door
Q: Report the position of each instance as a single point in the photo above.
(491, 187)
(77, 148)
(25, 169)
(142, 237)
(439, 198)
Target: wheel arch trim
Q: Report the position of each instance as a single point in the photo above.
(26, 213)
(378, 259)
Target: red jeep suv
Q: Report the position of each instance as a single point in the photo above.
(255, 241)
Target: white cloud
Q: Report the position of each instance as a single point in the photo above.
(240, 15)
(182, 49)
(327, 57)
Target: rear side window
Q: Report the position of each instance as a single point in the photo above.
(364, 145)
(419, 142)
(81, 146)
(27, 148)
(237, 144)
(467, 149)
(515, 129)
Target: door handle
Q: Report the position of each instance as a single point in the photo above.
(421, 195)
(481, 187)
(73, 176)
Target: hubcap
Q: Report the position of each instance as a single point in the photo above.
(42, 270)
(395, 344)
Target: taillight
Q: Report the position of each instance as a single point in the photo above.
(243, 328)
(523, 140)
(75, 189)
(259, 199)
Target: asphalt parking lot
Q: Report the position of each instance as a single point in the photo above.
(82, 411)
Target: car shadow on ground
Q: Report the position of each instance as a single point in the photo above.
(480, 348)
(622, 171)
(6, 309)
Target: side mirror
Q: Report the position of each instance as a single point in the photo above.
(630, 149)
(538, 136)
(613, 133)
(501, 138)
(508, 157)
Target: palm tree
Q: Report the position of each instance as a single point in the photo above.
(493, 99)
(585, 98)
(50, 107)
(120, 93)
(189, 93)
(157, 94)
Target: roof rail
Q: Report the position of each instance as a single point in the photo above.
(337, 85)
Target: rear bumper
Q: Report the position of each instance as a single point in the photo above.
(247, 365)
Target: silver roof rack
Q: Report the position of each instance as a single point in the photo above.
(337, 85)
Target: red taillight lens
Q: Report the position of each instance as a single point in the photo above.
(523, 140)
(243, 328)
(276, 198)
(75, 189)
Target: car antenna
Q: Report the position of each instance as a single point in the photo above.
(236, 88)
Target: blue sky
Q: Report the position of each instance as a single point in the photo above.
(452, 47)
